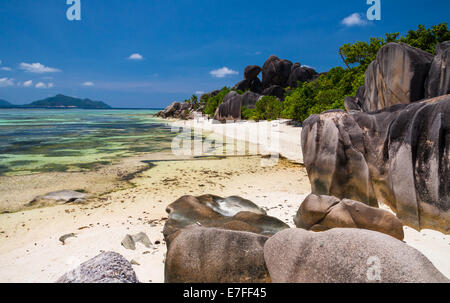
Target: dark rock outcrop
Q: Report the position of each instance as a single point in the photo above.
(254, 85)
(251, 72)
(301, 74)
(319, 213)
(109, 267)
(211, 255)
(232, 213)
(177, 110)
(276, 72)
(345, 255)
(274, 90)
(399, 156)
(438, 81)
(231, 107)
(249, 99)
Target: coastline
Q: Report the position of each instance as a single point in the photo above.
(30, 250)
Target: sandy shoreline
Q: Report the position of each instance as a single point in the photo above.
(31, 252)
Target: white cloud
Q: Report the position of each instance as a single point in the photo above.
(28, 83)
(355, 19)
(4, 82)
(88, 83)
(223, 72)
(37, 68)
(8, 69)
(199, 92)
(50, 85)
(136, 57)
(40, 85)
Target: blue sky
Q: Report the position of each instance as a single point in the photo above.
(178, 47)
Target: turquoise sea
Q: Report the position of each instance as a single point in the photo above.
(42, 140)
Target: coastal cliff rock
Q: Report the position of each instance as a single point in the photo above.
(108, 267)
(211, 255)
(232, 213)
(319, 213)
(438, 81)
(399, 156)
(345, 255)
(397, 76)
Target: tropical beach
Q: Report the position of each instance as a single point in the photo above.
(240, 151)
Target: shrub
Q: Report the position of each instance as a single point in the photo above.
(213, 103)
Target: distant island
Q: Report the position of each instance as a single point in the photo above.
(5, 104)
(59, 101)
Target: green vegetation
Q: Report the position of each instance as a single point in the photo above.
(330, 89)
(212, 103)
(267, 108)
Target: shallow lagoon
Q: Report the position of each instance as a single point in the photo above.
(42, 140)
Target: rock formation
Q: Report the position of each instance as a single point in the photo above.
(319, 213)
(177, 110)
(301, 74)
(276, 72)
(399, 156)
(108, 267)
(345, 255)
(58, 197)
(232, 213)
(402, 74)
(438, 81)
(231, 107)
(211, 255)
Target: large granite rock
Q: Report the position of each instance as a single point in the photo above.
(254, 85)
(249, 99)
(301, 74)
(319, 213)
(230, 109)
(251, 72)
(438, 81)
(108, 267)
(177, 110)
(232, 213)
(275, 91)
(399, 156)
(211, 255)
(276, 72)
(345, 256)
(397, 76)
